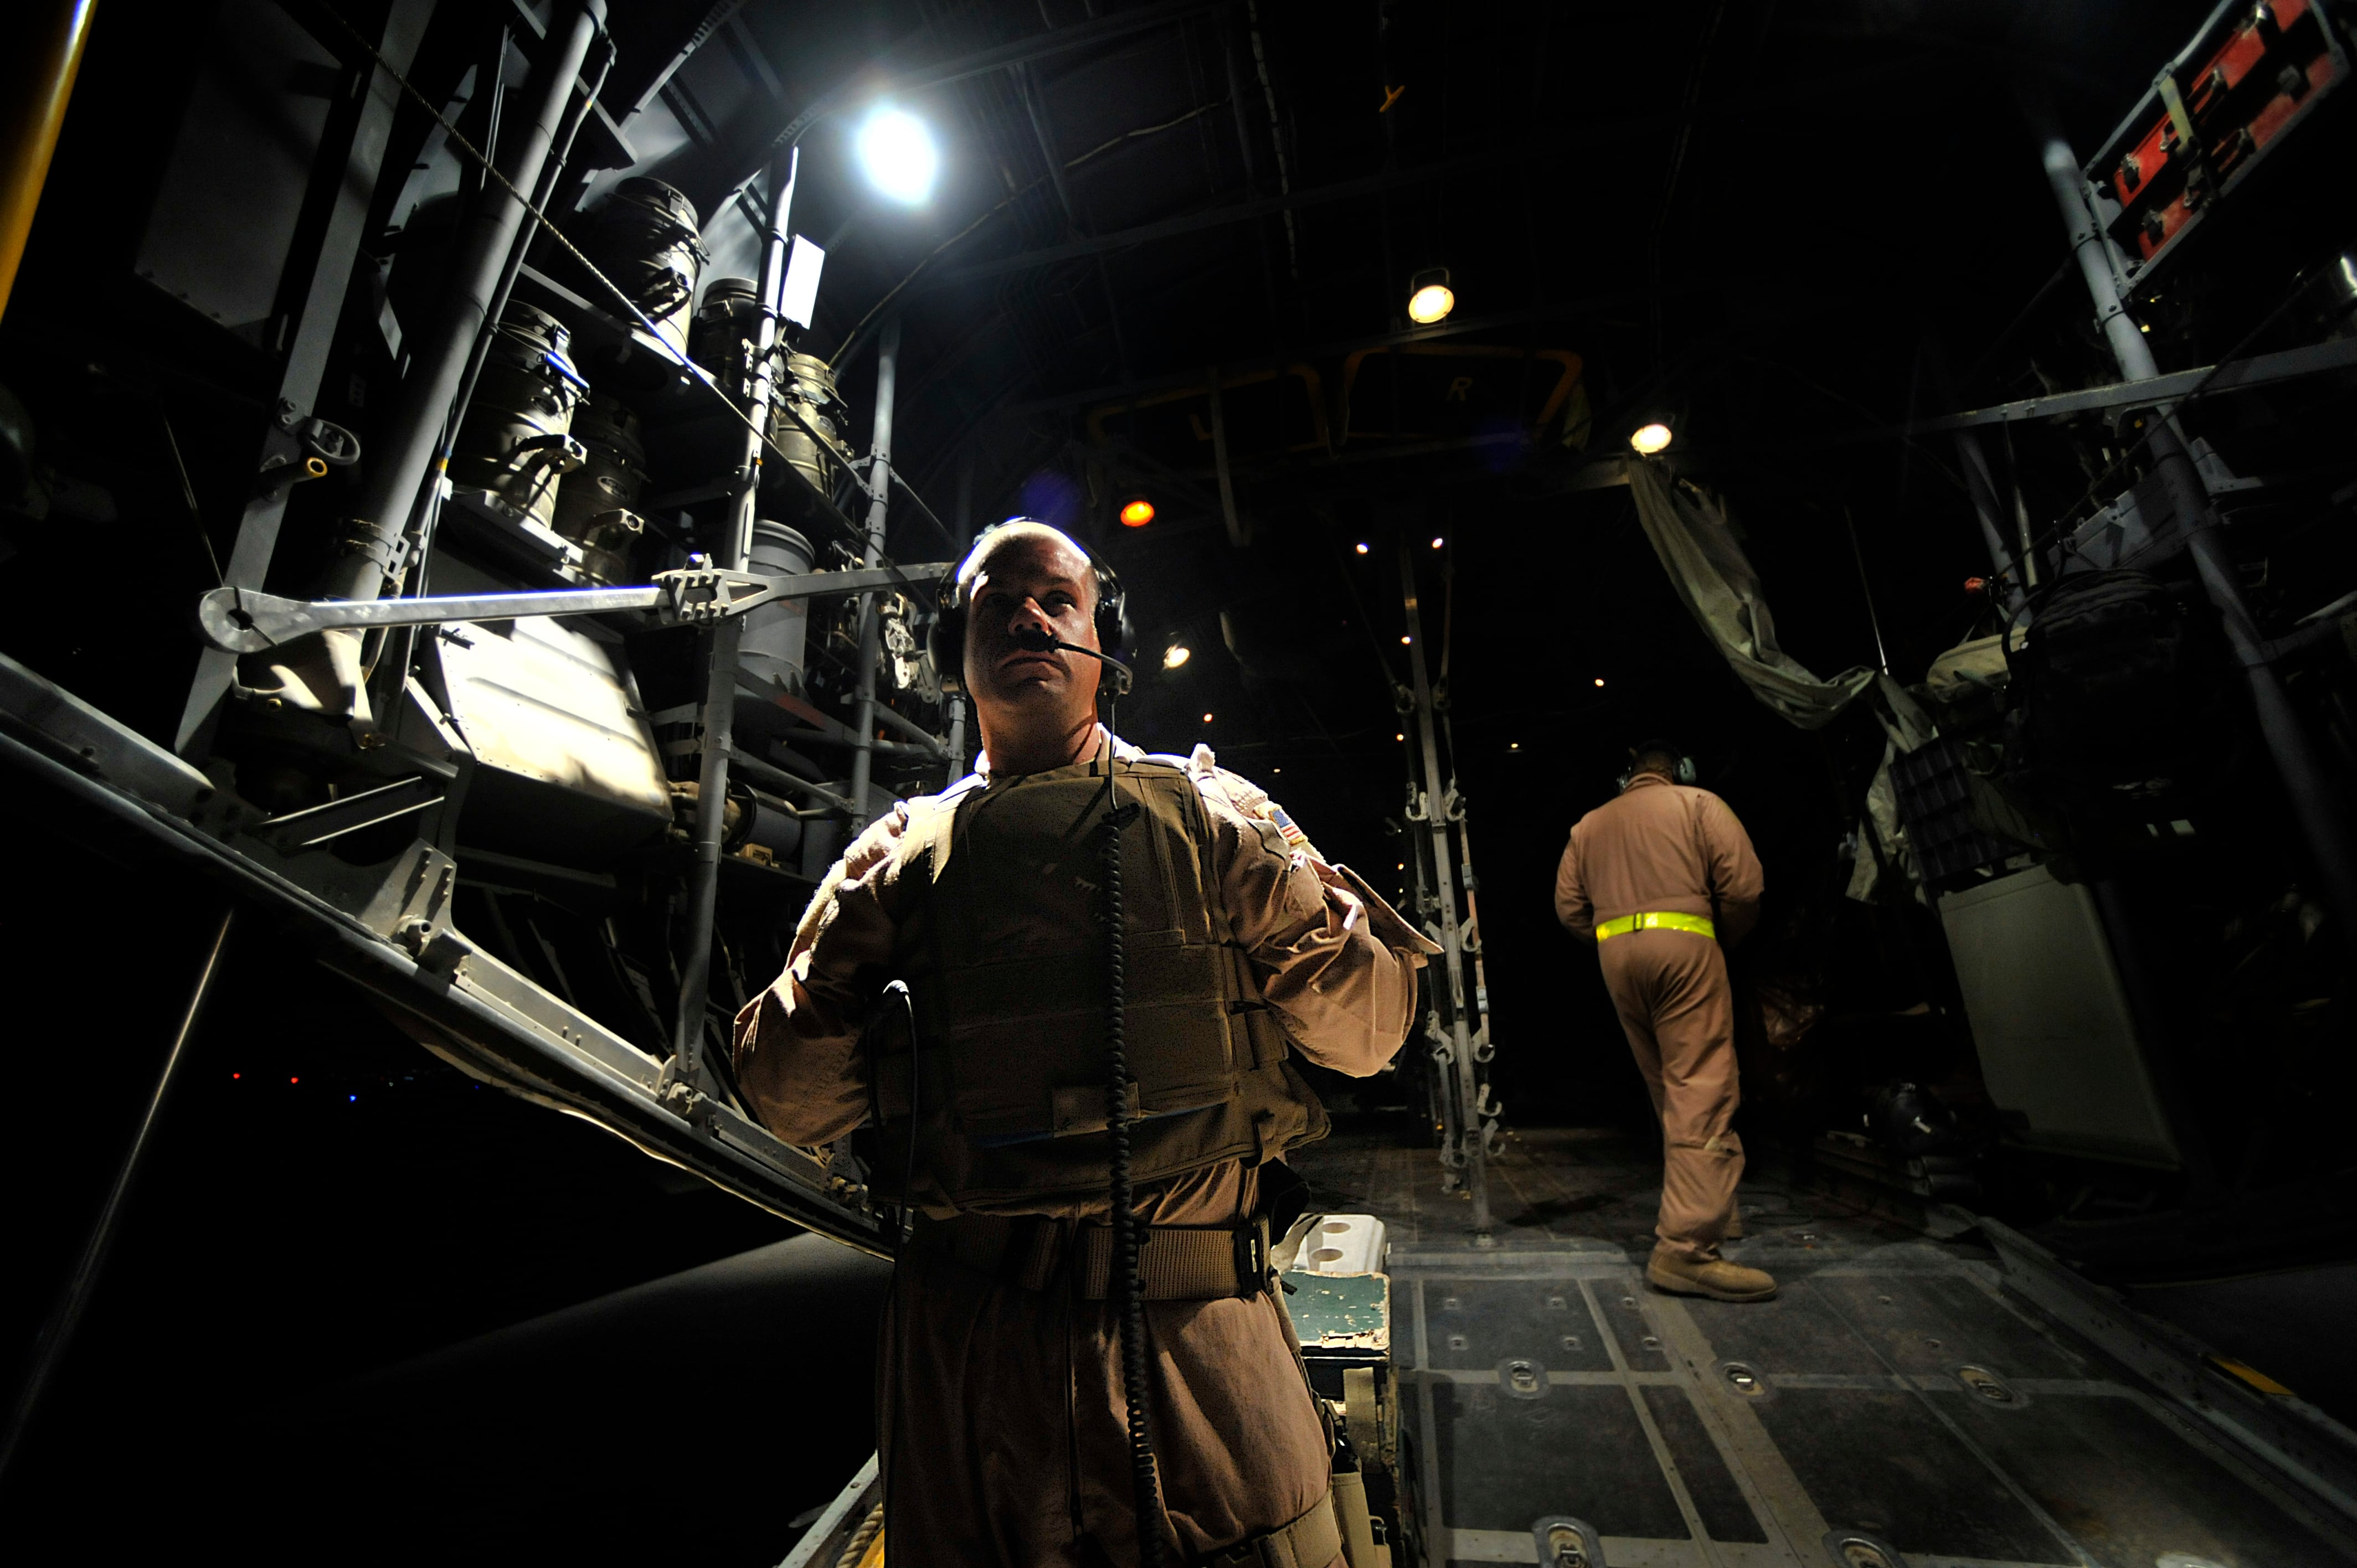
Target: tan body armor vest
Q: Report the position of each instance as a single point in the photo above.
(1002, 944)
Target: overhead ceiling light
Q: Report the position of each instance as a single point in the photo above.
(1404, 641)
(1429, 298)
(897, 154)
(1137, 513)
(1599, 680)
(1436, 544)
(1361, 547)
(1513, 746)
(1207, 718)
(1399, 737)
(1175, 655)
(1651, 438)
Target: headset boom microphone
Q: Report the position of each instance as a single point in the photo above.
(1036, 641)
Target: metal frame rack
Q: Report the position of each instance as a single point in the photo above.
(1441, 886)
(372, 869)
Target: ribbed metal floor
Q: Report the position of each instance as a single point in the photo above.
(1890, 1390)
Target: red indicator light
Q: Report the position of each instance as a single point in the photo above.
(237, 1075)
(293, 1080)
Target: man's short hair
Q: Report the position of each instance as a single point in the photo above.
(1019, 528)
(1656, 756)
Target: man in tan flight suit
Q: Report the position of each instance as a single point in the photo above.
(1657, 879)
(1002, 1423)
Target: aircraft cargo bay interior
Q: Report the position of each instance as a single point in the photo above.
(1136, 783)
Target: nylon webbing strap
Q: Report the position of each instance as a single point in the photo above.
(1313, 1541)
(1180, 1263)
(1176, 1262)
(1700, 925)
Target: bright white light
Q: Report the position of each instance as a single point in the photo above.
(1404, 641)
(1648, 439)
(1436, 544)
(1361, 549)
(1599, 680)
(1175, 655)
(1207, 718)
(1431, 303)
(898, 154)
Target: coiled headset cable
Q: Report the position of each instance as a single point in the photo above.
(1127, 1292)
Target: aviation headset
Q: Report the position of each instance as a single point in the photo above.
(1683, 773)
(947, 644)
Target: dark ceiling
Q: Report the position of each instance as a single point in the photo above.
(1775, 222)
(1787, 227)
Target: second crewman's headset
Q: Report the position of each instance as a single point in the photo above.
(947, 644)
(1683, 773)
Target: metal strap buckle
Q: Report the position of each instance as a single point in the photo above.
(1251, 1258)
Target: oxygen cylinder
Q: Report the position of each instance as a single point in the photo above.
(515, 440)
(644, 237)
(721, 338)
(595, 505)
(810, 389)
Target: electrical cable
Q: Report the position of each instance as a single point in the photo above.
(1129, 1306)
(1123, 1289)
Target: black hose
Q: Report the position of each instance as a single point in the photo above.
(1129, 1306)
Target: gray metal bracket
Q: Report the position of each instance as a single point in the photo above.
(247, 620)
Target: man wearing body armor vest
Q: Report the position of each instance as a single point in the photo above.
(1001, 1426)
(1657, 878)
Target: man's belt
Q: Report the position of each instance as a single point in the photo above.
(1175, 1262)
(1698, 924)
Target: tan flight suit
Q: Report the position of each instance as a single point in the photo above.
(1001, 1414)
(1670, 848)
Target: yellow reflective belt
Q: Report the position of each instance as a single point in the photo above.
(1698, 924)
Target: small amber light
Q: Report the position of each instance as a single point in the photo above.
(1137, 513)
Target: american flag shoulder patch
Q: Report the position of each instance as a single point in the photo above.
(1284, 824)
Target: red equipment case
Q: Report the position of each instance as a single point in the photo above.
(2251, 74)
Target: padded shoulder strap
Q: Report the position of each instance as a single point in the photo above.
(933, 822)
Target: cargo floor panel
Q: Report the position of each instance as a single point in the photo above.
(1930, 1323)
(1476, 1323)
(1890, 1389)
(1795, 1332)
(1719, 1501)
(1880, 1461)
(1622, 1299)
(1507, 1462)
(2127, 1488)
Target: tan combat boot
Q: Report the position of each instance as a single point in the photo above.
(1713, 1277)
